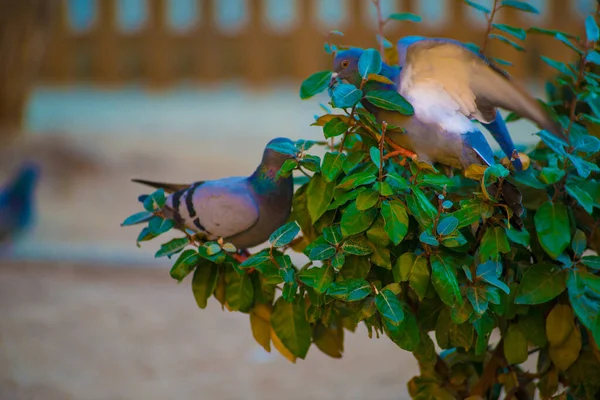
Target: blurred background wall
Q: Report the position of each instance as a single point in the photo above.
(100, 91)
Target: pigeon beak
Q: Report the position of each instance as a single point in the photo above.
(334, 80)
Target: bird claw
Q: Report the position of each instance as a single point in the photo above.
(399, 151)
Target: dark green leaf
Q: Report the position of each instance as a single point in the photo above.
(144, 236)
(553, 229)
(591, 29)
(428, 238)
(507, 41)
(172, 247)
(314, 84)
(415, 270)
(591, 261)
(357, 245)
(291, 327)
(561, 67)
(367, 199)
(584, 168)
(375, 156)
(187, 261)
(579, 243)
(350, 289)
(204, 282)
(287, 168)
(155, 201)
(335, 127)
(332, 165)
(138, 218)
(511, 30)
(443, 278)
(519, 5)
(478, 298)
(389, 100)
(389, 306)
(321, 252)
(490, 273)
(333, 234)
(284, 235)
(396, 220)
(540, 283)
(320, 194)
(346, 95)
(520, 237)
(477, 6)
(447, 225)
(239, 291)
(405, 17)
(406, 335)
(355, 180)
(551, 175)
(369, 63)
(318, 278)
(493, 243)
(355, 221)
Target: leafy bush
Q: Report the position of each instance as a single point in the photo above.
(414, 254)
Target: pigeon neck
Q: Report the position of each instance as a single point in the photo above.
(264, 179)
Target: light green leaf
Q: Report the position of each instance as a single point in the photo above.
(519, 5)
(335, 127)
(314, 84)
(138, 218)
(369, 63)
(291, 327)
(239, 292)
(581, 196)
(357, 245)
(591, 29)
(389, 306)
(187, 261)
(493, 243)
(346, 95)
(367, 199)
(515, 345)
(511, 30)
(390, 100)
(396, 220)
(443, 279)
(172, 247)
(320, 194)
(355, 221)
(333, 234)
(332, 165)
(318, 278)
(204, 282)
(284, 235)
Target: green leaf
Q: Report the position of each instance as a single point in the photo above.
(447, 225)
(515, 345)
(350, 290)
(591, 261)
(520, 237)
(584, 168)
(583, 300)
(172, 247)
(406, 335)
(367, 199)
(579, 243)
(413, 269)
(369, 63)
(375, 156)
(357, 245)
(239, 292)
(396, 220)
(478, 297)
(591, 29)
(564, 355)
(493, 243)
(565, 40)
(321, 252)
(333, 234)
(284, 235)
(540, 283)
(507, 41)
(320, 194)
(435, 180)
(511, 30)
(550, 175)
(287, 168)
(519, 5)
(421, 208)
(318, 278)
(561, 67)
(335, 127)
(428, 238)
(390, 100)
(405, 17)
(155, 201)
(346, 95)
(204, 282)
(187, 261)
(338, 260)
(490, 273)
(291, 327)
(329, 341)
(314, 84)
(582, 197)
(355, 221)
(138, 218)
(332, 165)
(389, 306)
(144, 236)
(553, 229)
(443, 279)
(477, 6)
(355, 180)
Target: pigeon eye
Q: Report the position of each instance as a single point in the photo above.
(345, 63)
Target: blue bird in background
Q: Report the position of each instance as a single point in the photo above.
(17, 202)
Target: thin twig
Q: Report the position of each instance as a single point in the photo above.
(490, 20)
(380, 23)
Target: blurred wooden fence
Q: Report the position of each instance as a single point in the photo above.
(157, 56)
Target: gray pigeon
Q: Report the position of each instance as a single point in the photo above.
(243, 211)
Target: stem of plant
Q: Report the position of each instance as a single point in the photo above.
(380, 24)
(490, 20)
(381, 143)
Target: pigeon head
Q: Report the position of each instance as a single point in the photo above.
(279, 150)
(345, 67)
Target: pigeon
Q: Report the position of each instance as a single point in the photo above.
(243, 211)
(17, 202)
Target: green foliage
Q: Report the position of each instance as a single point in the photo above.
(406, 250)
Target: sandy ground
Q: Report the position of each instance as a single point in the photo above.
(71, 331)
